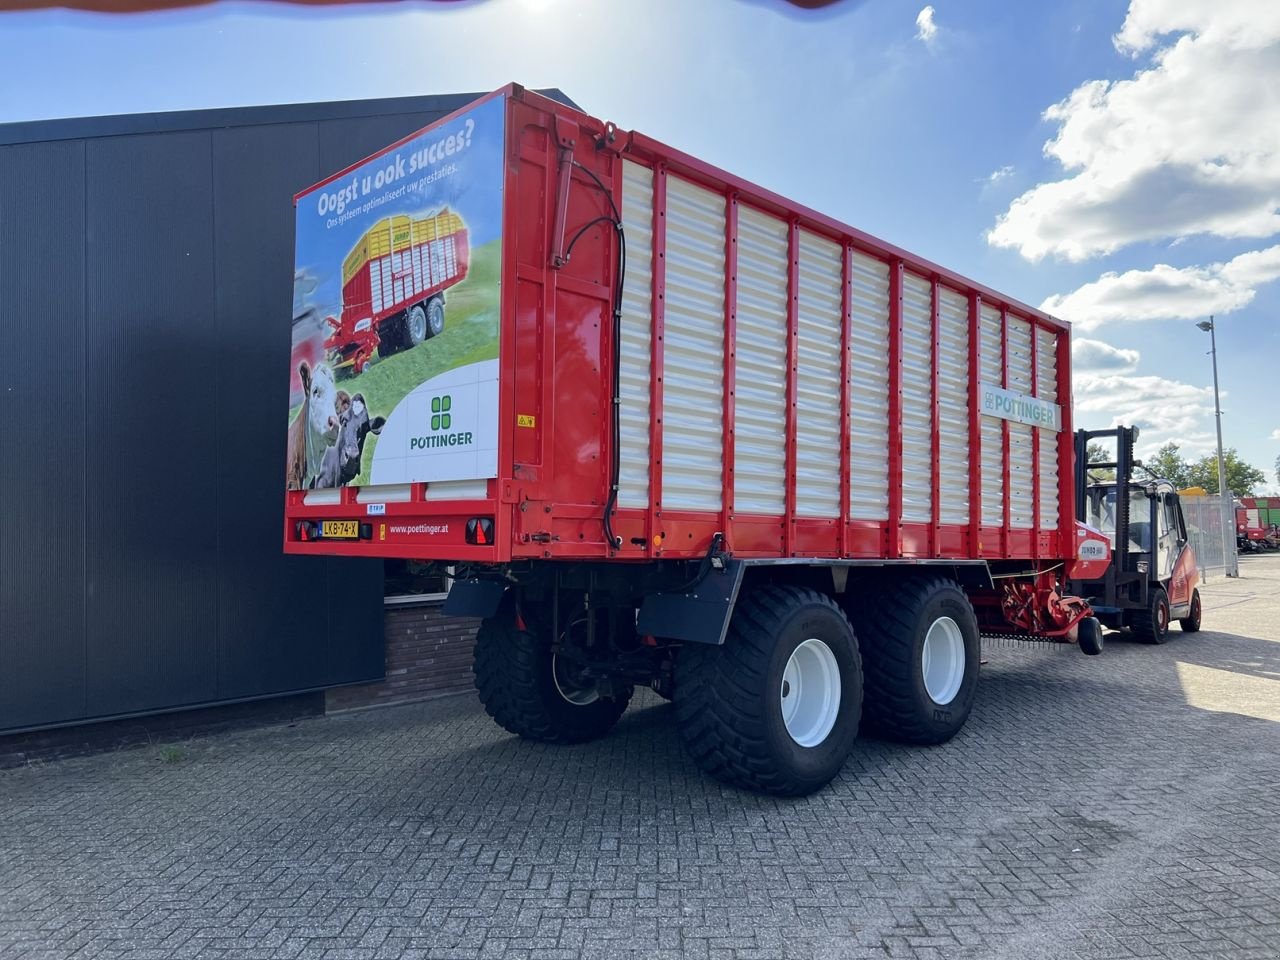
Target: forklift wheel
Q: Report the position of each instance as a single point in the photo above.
(1152, 624)
(1191, 622)
(1090, 636)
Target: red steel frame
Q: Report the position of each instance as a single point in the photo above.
(846, 388)
(793, 379)
(659, 306)
(525, 505)
(974, 547)
(730, 355)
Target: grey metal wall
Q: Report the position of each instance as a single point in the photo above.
(146, 271)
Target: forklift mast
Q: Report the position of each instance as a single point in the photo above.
(1125, 438)
(1126, 581)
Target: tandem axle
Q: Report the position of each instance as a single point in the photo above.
(772, 666)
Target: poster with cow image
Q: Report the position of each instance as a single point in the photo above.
(394, 368)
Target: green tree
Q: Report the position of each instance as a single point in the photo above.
(1241, 477)
(1097, 453)
(1168, 463)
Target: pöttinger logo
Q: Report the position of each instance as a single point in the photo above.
(442, 434)
(440, 407)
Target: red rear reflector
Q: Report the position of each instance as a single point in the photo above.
(480, 531)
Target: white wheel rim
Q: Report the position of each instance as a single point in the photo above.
(942, 661)
(810, 693)
(579, 696)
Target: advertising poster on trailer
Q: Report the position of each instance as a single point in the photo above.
(394, 370)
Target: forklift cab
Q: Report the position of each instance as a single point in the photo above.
(1153, 573)
(1157, 532)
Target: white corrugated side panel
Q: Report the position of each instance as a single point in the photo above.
(457, 489)
(869, 391)
(1047, 386)
(1021, 491)
(993, 479)
(818, 382)
(437, 260)
(637, 321)
(397, 285)
(760, 366)
(953, 406)
(917, 399)
(375, 287)
(693, 349)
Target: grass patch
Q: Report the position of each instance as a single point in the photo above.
(171, 753)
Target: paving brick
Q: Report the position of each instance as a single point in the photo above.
(1093, 808)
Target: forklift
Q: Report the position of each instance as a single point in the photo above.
(1153, 573)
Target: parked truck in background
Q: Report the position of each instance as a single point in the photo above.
(1257, 524)
(721, 445)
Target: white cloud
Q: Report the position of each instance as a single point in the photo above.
(1275, 434)
(996, 176)
(1094, 355)
(1167, 293)
(1189, 145)
(1163, 409)
(926, 29)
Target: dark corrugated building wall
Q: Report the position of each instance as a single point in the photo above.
(146, 267)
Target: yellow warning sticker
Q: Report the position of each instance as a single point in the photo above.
(525, 420)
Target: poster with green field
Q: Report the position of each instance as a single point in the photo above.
(394, 368)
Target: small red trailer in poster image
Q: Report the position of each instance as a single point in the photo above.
(393, 284)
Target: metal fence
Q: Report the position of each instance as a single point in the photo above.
(1213, 536)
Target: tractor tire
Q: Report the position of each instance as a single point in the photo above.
(920, 653)
(416, 328)
(776, 708)
(435, 317)
(1152, 624)
(529, 693)
(1191, 622)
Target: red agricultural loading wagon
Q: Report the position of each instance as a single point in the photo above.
(393, 284)
(748, 456)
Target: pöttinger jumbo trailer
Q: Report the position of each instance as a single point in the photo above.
(693, 436)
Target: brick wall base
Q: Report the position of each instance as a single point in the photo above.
(428, 655)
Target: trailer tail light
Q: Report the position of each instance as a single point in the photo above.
(480, 531)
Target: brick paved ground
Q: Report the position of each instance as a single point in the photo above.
(1127, 806)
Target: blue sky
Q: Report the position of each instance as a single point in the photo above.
(1118, 160)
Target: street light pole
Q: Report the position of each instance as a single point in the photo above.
(1228, 517)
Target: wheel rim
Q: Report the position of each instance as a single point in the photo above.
(1162, 617)
(942, 660)
(1195, 609)
(574, 688)
(810, 693)
(417, 323)
(436, 318)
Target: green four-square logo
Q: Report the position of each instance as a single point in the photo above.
(440, 412)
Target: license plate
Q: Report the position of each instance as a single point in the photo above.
(340, 529)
